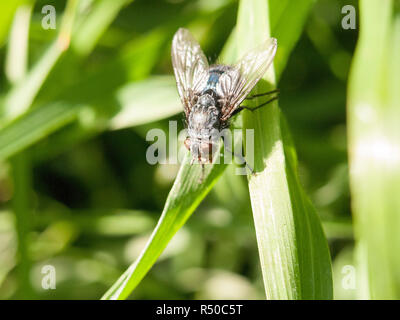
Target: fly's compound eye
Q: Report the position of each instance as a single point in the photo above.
(187, 143)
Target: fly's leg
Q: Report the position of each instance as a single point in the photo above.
(203, 173)
(255, 108)
(262, 94)
(261, 105)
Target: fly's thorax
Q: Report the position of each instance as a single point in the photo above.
(203, 129)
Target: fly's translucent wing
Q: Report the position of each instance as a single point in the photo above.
(190, 67)
(234, 85)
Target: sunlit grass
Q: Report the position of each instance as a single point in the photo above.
(76, 191)
(374, 147)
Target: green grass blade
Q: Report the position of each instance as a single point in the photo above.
(140, 103)
(7, 11)
(23, 215)
(34, 126)
(374, 145)
(42, 121)
(17, 51)
(185, 195)
(20, 98)
(17, 56)
(286, 22)
(294, 255)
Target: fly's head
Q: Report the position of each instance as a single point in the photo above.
(203, 126)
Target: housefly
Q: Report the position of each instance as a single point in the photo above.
(211, 95)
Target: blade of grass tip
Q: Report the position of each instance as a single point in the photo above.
(7, 11)
(21, 96)
(16, 58)
(17, 55)
(293, 250)
(36, 125)
(374, 148)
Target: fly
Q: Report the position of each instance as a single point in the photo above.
(212, 95)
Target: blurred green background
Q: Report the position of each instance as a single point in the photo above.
(92, 199)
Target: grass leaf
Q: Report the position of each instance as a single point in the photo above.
(294, 254)
(185, 195)
(7, 11)
(17, 56)
(93, 26)
(34, 126)
(140, 103)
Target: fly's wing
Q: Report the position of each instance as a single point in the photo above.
(190, 67)
(235, 84)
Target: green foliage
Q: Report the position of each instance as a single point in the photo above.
(293, 252)
(76, 191)
(185, 195)
(374, 135)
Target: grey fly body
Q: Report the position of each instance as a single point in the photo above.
(211, 95)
